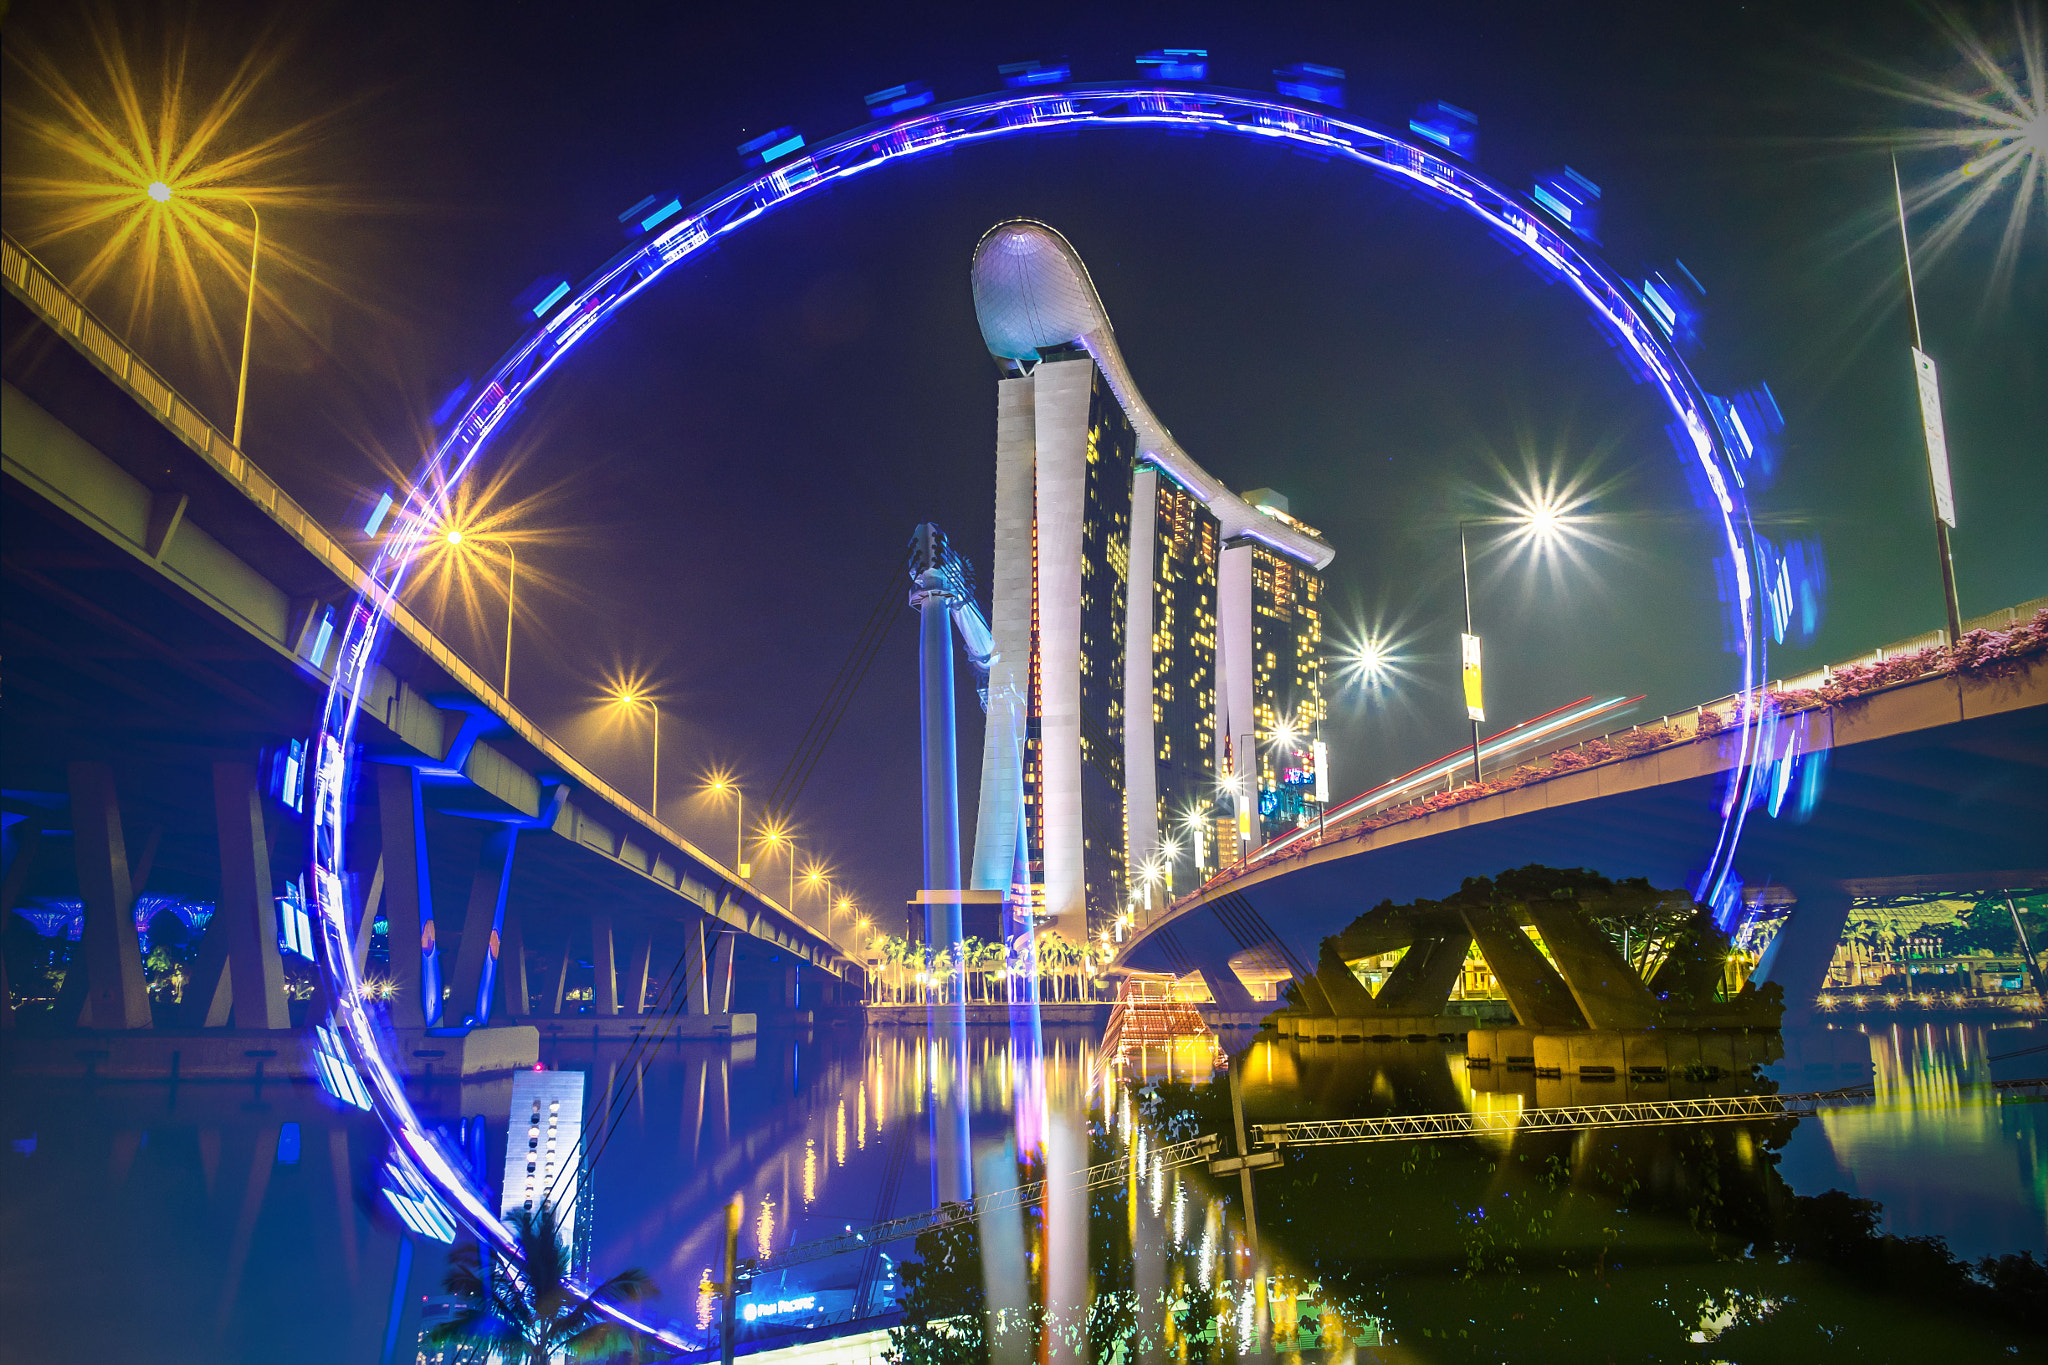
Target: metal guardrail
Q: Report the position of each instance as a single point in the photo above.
(1109, 1173)
(1577, 1117)
(66, 315)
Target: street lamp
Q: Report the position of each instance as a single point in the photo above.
(159, 192)
(464, 543)
(630, 697)
(1932, 428)
(774, 834)
(1544, 517)
(717, 784)
(1468, 653)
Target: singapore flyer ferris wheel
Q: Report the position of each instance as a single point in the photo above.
(1547, 228)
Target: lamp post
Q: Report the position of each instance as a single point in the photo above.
(160, 192)
(511, 589)
(460, 541)
(1931, 423)
(1475, 700)
(718, 784)
(632, 698)
(248, 318)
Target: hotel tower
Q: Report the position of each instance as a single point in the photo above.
(1158, 673)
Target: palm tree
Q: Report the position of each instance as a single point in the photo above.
(532, 1315)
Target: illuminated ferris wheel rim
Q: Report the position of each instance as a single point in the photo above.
(426, 1170)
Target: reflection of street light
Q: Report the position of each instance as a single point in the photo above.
(629, 696)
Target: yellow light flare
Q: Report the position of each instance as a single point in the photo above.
(142, 178)
(472, 539)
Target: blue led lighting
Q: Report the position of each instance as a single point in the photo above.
(770, 146)
(434, 1192)
(554, 297)
(1176, 63)
(1449, 127)
(662, 214)
(899, 99)
(1307, 81)
(630, 214)
(1018, 75)
(377, 515)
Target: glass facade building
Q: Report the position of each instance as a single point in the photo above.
(1153, 630)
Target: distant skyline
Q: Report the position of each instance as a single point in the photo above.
(741, 457)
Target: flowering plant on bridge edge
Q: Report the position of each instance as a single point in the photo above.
(1978, 652)
(1981, 653)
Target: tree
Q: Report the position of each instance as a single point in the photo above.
(532, 1315)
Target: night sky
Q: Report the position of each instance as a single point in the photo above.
(733, 468)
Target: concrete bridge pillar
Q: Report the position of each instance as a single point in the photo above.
(1607, 989)
(1539, 995)
(635, 998)
(1346, 994)
(721, 973)
(408, 900)
(561, 992)
(1421, 981)
(1797, 958)
(476, 960)
(1229, 993)
(518, 1002)
(604, 991)
(110, 951)
(238, 958)
(696, 969)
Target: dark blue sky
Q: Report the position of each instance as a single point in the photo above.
(746, 450)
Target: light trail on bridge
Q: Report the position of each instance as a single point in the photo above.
(1516, 740)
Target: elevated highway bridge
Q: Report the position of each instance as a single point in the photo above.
(168, 634)
(1933, 784)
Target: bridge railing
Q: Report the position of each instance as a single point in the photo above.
(1680, 727)
(68, 316)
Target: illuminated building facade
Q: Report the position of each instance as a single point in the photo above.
(1135, 676)
(544, 1152)
(1287, 678)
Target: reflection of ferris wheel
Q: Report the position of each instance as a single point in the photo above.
(1549, 228)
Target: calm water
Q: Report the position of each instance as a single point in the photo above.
(220, 1223)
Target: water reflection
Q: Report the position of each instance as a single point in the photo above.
(1532, 1245)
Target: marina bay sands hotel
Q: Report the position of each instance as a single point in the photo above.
(1154, 699)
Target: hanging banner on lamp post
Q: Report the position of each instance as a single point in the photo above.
(1475, 703)
(1937, 439)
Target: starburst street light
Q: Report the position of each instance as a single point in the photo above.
(461, 549)
(629, 695)
(2003, 128)
(152, 179)
(772, 834)
(720, 783)
(1999, 126)
(1547, 520)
